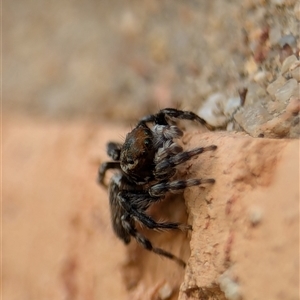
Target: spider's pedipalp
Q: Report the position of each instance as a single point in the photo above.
(104, 167)
(167, 132)
(114, 150)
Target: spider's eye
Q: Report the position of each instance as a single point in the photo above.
(130, 161)
(147, 142)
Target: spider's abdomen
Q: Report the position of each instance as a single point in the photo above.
(116, 210)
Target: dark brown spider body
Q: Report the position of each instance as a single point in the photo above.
(137, 152)
(146, 165)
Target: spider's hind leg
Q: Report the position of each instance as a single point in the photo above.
(138, 213)
(143, 241)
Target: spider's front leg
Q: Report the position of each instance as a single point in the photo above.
(113, 150)
(184, 115)
(104, 167)
(161, 117)
(142, 240)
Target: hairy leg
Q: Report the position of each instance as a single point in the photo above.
(114, 150)
(176, 186)
(104, 167)
(168, 149)
(160, 118)
(143, 241)
(140, 216)
(166, 165)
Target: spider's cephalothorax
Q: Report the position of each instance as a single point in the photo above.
(146, 164)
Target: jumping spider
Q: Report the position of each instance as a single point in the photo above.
(146, 164)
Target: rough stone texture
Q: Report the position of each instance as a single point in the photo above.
(245, 239)
(104, 58)
(58, 242)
